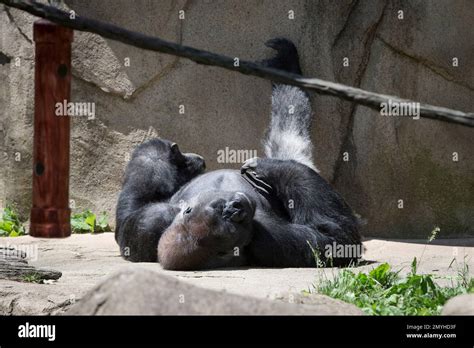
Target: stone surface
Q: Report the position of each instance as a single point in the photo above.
(145, 292)
(459, 305)
(86, 260)
(390, 158)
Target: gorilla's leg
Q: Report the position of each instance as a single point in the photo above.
(277, 242)
(317, 213)
(288, 135)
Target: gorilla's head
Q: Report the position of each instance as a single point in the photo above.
(210, 231)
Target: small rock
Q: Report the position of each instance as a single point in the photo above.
(321, 301)
(459, 305)
(49, 281)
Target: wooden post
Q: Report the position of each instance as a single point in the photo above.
(50, 214)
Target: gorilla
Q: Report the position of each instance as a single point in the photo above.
(275, 212)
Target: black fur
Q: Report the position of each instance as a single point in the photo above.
(318, 217)
(277, 212)
(155, 172)
(286, 58)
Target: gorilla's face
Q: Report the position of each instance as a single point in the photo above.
(210, 231)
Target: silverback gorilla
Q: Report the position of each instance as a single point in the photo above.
(275, 212)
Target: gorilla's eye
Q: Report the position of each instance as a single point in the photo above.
(187, 210)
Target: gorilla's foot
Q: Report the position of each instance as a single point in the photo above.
(249, 173)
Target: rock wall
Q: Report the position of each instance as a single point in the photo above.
(389, 158)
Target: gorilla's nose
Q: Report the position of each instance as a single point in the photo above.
(234, 211)
(217, 203)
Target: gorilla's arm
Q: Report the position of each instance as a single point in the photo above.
(157, 169)
(277, 242)
(317, 214)
(141, 231)
(155, 172)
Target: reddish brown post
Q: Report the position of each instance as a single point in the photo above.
(50, 214)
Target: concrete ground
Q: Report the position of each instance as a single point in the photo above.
(86, 259)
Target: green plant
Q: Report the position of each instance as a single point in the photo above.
(464, 274)
(32, 278)
(10, 223)
(432, 237)
(383, 292)
(88, 222)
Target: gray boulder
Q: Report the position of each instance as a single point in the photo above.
(146, 292)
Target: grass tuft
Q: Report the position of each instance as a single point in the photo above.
(383, 292)
(32, 278)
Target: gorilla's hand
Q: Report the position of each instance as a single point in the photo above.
(256, 178)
